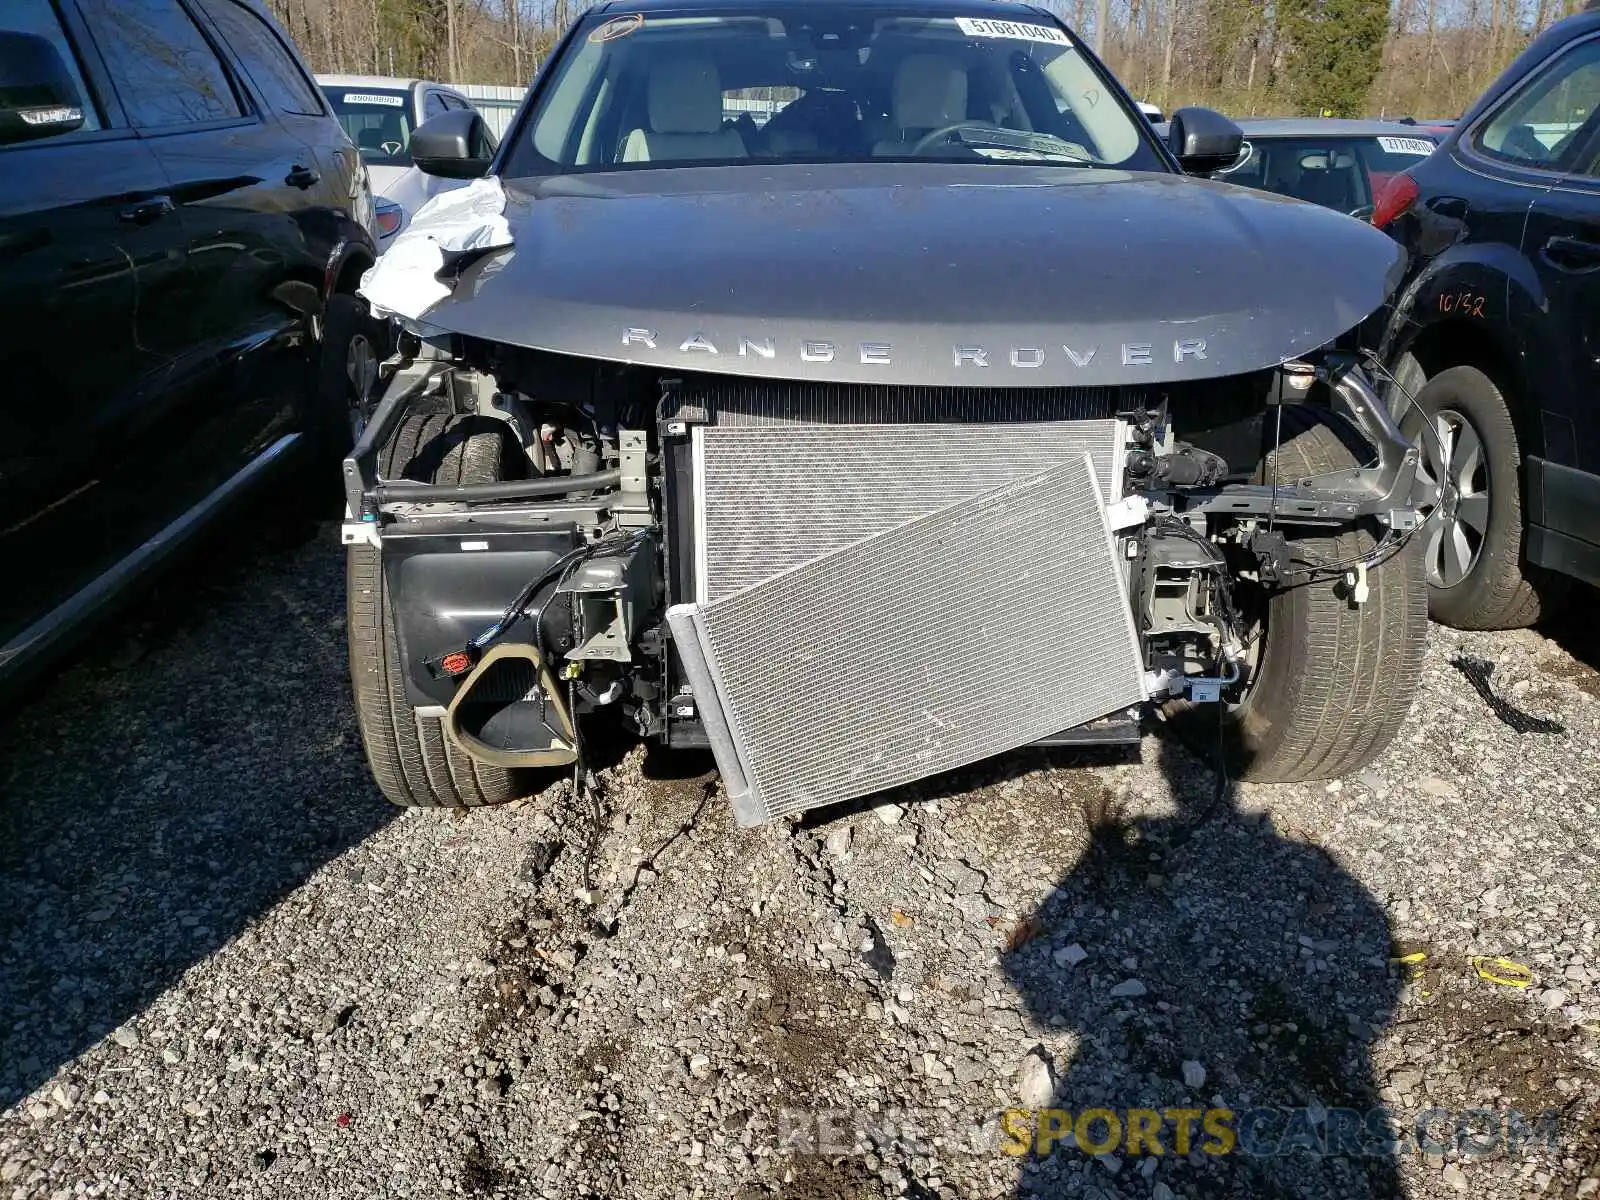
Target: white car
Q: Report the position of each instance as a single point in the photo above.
(379, 113)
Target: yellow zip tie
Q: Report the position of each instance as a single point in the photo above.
(1414, 957)
(1502, 971)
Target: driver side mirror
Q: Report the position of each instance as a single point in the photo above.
(37, 95)
(453, 145)
(1203, 140)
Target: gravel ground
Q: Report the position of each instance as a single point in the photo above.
(226, 967)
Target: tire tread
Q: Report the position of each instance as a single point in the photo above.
(412, 760)
(1353, 670)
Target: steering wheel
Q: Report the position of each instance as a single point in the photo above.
(937, 135)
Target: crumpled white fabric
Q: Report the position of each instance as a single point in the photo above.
(406, 280)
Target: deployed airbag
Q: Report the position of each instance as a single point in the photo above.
(406, 280)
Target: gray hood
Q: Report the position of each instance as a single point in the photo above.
(946, 274)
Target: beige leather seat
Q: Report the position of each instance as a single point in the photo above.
(683, 102)
(930, 92)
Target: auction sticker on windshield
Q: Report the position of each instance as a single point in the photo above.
(985, 27)
(374, 98)
(1405, 145)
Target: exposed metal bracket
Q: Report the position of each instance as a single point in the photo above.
(360, 533)
(1127, 513)
(1383, 491)
(634, 445)
(361, 465)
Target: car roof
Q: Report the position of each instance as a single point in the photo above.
(386, 83)
(984, 8)
(1288, 127)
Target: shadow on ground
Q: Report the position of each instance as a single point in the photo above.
(1212, 939)
(1573, 627)
(198, 762)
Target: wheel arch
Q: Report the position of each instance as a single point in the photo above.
(1468, 342)
(1459, 312)
(345, 269)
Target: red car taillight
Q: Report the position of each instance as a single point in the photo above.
(1397, 196)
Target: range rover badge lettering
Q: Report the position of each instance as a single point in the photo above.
(963, 355)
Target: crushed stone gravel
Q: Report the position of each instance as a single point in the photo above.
(228, 968)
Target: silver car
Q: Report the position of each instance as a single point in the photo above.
(380, 113)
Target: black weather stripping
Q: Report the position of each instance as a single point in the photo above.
(1478, 672)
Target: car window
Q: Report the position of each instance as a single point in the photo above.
(279, 77)
(1339, 173)
(377, 121)
(832, 84)
(1541, 123)
(433, 105)
(38, 17)
(164, 70)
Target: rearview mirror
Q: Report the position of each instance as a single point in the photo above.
(37, 95)
(1203, 140)
(453, 145)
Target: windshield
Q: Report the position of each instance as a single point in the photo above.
(1342, 173)
(378, 122)
(837, 84)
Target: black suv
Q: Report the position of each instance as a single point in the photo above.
(182, 228)
(1498, 333)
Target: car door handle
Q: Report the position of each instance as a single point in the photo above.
(147, 211)
(302, 177)
(1574, 254)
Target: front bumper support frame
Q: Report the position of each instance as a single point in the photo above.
(1381, 490)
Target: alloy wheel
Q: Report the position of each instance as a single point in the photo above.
(1453, 496)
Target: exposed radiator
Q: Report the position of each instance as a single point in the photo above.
(771, 496)
(729, 400)
(976, 628)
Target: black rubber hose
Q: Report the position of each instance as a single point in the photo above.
(484, 493)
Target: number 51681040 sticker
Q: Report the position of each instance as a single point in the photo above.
(988, 27)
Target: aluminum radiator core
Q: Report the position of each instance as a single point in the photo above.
(974, 629)
(770, 497)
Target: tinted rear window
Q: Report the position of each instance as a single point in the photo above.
(378, 122)
(1339, 173)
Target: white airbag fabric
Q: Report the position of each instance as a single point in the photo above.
(406, 280)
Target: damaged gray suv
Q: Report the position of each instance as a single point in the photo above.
(861, 390)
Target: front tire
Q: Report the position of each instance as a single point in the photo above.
(1333, 680)
(414, 763)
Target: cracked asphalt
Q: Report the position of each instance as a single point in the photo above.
(227, 967)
